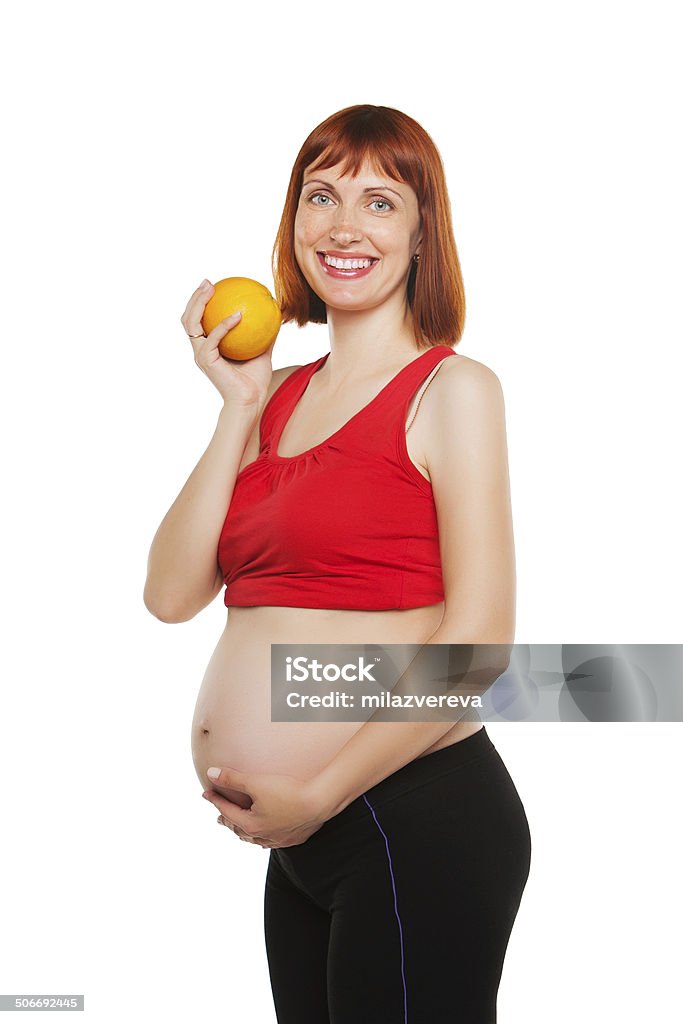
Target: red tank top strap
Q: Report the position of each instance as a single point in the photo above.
(386, 414)
(282, 401)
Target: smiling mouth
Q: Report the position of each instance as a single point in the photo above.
(346, 270)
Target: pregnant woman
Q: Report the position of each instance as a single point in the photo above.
(360, 498)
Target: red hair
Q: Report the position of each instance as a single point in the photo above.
(398, 146)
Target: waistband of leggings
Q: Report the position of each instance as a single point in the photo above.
(416, 773)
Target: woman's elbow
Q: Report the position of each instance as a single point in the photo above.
(166, 612)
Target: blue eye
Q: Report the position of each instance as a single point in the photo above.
(385, 201)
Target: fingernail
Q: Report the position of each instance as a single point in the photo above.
(213, 773)
(205, 283)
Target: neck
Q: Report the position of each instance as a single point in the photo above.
(369, 342)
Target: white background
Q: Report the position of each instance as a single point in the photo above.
(149, 146)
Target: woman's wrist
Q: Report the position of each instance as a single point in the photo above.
(234, 413)
(326, 797)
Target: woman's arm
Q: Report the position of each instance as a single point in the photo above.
(468, 466)
(183, 574)
(182, 568)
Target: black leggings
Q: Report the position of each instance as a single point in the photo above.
(398, 910)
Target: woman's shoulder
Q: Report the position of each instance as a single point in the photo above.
(284, 371)
(466, 368)
(281, 375)
(462, 390)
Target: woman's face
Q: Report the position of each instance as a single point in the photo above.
(372, 216)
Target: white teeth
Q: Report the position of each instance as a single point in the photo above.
(350, 264)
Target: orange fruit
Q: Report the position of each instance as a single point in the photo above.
(261, 317)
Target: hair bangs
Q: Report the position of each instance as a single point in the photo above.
(386, 152)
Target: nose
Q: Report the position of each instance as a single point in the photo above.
(343, 231)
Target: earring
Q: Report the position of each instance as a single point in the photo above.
(416, 256)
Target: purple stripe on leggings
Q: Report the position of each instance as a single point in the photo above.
(400, 929)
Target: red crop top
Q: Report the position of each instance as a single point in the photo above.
(349, 523)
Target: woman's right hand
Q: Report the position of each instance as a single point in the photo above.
(240, 382)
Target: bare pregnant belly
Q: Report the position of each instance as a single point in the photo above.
(231, 725)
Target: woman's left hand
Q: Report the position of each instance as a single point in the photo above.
(284, 810)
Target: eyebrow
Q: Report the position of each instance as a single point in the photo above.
(372, 188)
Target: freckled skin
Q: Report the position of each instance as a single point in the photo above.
(357, 222)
